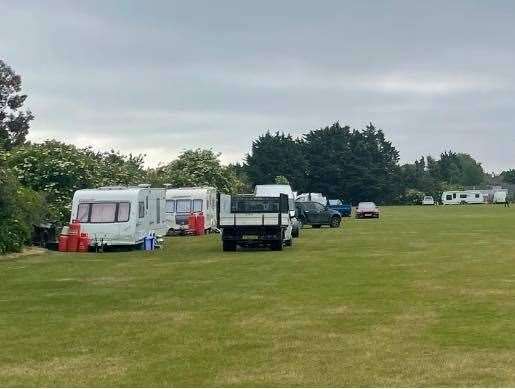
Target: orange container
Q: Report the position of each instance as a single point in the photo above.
(74, 227)
(192, 223)
(200, 223)
(84, 242)
(63, 243)
(73, 243)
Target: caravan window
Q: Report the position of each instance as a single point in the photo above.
(170, 206)
(477, 195)
(83, 212)
(197, 205)
(463, 196)
(183, 206)
(255, 204)
(103, 213)
(141, 209)
(448, 197)
(158, 210)
(454, 195)
(123, 212)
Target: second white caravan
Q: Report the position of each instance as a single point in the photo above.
(463, 197)
(181, 202)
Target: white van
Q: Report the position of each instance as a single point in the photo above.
(275, 190)
(463, 197)
(181, 202)
(428, 200)
(120, 216)
(316, 197)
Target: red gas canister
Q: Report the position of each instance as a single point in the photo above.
(192, 223)
(74, 227)
(73, 243)
(200, 223)
(84, 242)
(63, 243)
(73, 235)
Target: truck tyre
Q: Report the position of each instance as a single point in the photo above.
(295, 232)
(277, 245)
(335, 222)
(289, 243)
(229, 245)
(316, 225)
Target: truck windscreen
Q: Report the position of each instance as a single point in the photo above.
(257, 204)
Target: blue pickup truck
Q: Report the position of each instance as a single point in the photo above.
(338, 205)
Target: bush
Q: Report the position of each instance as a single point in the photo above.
(57, 170)
(20, 208)
(413, 196)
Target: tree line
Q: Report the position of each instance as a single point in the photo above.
(37, 180)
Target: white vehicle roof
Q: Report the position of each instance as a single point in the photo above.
(186, 192)
(317, 197)
(111, 193)
(366, 204)
(274, 190)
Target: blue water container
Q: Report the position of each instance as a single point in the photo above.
(149, 242)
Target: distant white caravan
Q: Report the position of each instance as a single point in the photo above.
(463, 197)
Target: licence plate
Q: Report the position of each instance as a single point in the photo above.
(250, 237)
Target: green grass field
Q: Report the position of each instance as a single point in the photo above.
(421, 297)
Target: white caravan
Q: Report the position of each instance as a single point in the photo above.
(463, 197)
(120, 216)
(316, 197)
(181, 202)
(275, 190)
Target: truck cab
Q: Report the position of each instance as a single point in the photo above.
(315, 214)
(342, 208)
(254, 221)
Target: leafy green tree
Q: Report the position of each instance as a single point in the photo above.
(329, 152)
(361, 164)
(413, 196)
(281, 180)
(197, 168)
(275, 155)
(14, 122)
(240, 172)
(508, 176)
(20, 208)
(57, 170)
(459, 169)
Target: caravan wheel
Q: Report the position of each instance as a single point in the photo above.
(277, 245)
(229, 245)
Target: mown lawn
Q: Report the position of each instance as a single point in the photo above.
(422, 297)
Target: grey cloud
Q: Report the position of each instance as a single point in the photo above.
(158, 77)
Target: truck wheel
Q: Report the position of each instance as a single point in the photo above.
(316, 225)
(288, 243)
(295, 233)
(229, 245)
(277, 245)
(335, 222)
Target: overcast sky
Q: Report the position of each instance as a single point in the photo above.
(158, 77)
